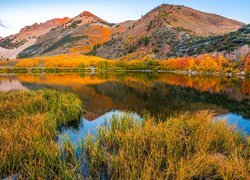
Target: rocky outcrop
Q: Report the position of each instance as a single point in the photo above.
(12, 45)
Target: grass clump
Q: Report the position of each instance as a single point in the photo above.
(29, 123)
(190, 146)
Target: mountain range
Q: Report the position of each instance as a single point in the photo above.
(166, 31)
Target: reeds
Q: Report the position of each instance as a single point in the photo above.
(190, 146)
(29, 123)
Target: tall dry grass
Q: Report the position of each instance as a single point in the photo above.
(190, 146)
(29, 123)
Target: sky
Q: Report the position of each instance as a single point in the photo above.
(15, 14)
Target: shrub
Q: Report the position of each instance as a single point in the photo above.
(156, 51)
(144, 40)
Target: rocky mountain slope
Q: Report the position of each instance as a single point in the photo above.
(166, 31)
(229, 43)
(163, 30)
(14, 44)
(80, 35)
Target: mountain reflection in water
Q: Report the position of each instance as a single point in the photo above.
(157, 93)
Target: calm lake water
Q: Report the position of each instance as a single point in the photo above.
(160, 94)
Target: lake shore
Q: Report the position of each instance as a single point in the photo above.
(204, 65)
(3, 70)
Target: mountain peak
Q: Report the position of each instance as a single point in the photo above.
(87, 13)
(170, 5)
(161, 30)
(85, 17)
(201, 23)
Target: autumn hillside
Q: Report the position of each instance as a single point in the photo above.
(167, 31)
(80, 34)
(157, 33)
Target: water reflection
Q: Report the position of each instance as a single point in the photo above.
(77, 134)
(158, 93)
(237, 120)
(11, 85)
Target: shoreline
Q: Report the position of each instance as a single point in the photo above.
(9, 70)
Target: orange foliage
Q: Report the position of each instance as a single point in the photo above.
(201, 63)
(32, 62)
(97, 34)
(247, 63)
(61, 61)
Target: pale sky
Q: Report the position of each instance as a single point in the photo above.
(15, 14)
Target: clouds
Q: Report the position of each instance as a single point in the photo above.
(3, 29)
(8, 28)
(2, 25)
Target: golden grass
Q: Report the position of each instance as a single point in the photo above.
(190, 146)
(29, 123)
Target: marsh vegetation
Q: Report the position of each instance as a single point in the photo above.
(159, 144)
(29, 125)
(189, 146)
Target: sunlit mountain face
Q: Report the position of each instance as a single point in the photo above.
(163, 32)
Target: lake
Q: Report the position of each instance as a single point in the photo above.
(159, 94)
